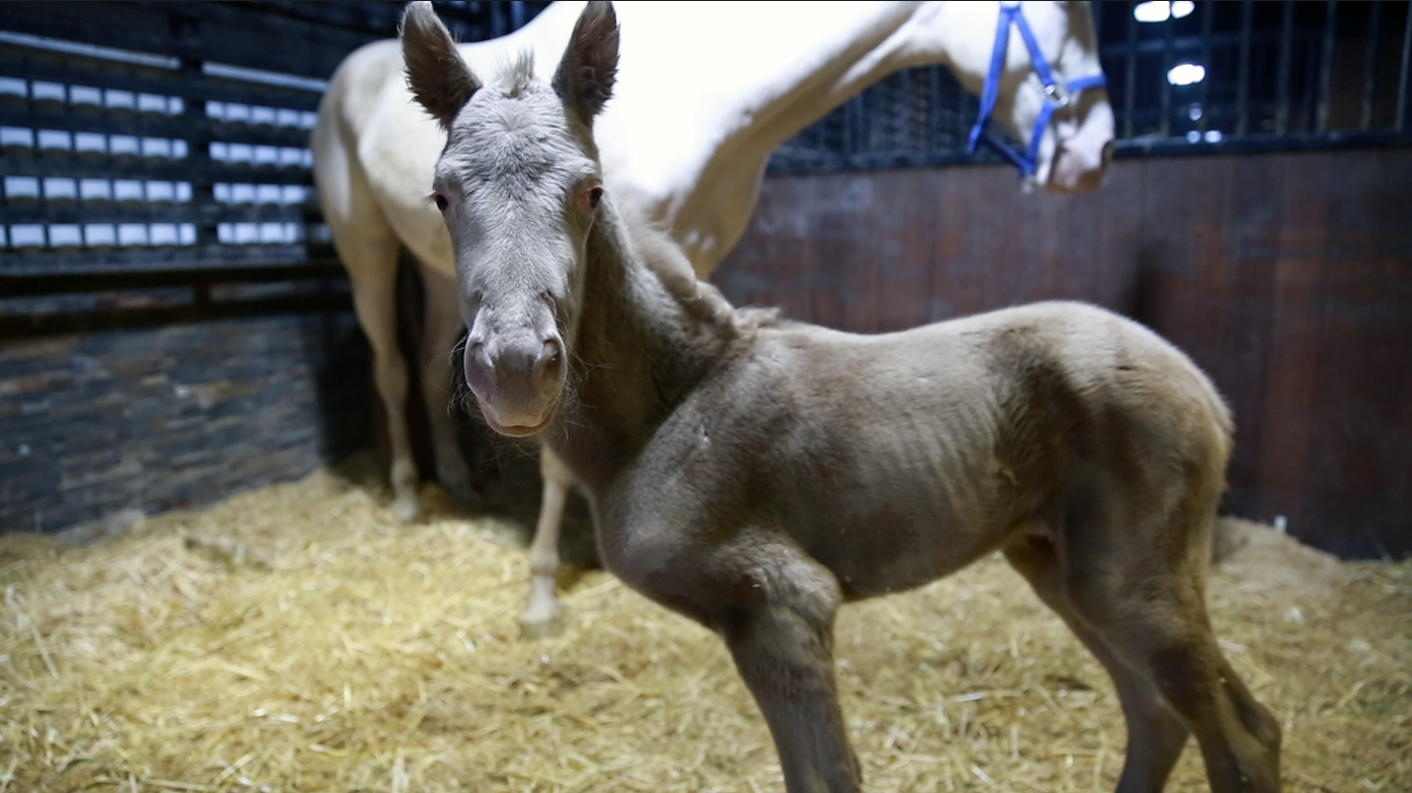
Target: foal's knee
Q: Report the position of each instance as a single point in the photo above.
(727, 584)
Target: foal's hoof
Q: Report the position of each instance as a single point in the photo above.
(542, 628)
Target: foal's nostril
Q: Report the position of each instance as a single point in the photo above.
(549, 357)
(478, 367)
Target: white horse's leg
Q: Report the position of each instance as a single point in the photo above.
(374, 286)
(368, 248)
(544, 615)
(443, 329)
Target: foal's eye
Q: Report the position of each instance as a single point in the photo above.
(440, 201)
(594, 196)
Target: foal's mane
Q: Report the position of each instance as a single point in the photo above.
(512, 78)
(700, 300)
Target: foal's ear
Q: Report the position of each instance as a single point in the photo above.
(590, 64)
(436, 73)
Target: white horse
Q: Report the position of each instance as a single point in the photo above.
(704, 93)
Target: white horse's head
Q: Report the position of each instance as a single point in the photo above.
(519, 187)
(1072, 150)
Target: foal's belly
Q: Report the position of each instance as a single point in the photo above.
(881, 537)
(892, 508)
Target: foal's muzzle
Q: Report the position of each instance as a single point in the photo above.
(517, 381)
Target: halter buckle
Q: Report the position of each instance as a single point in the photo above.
(1057, 94)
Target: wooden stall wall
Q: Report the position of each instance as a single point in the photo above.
(1287, 277)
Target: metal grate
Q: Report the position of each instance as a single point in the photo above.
(174, 136)
(1273, 76)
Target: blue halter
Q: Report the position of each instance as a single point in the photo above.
(1056, 94)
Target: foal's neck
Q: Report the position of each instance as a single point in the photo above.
(647, 334)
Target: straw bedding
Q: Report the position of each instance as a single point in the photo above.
(298, 638)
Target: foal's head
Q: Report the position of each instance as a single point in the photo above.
(519, 186)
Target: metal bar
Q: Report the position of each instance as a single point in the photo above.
(1208, 10)
(199, 147)
(188, 170)
(499, 23)
(16, 264)
(1370, 64)
(212, 211)
(1286, 55)
(27, 327)
(1326, 64)
(192, 273)
(1130, 77)
(1186, 43)
(1338, 140)
(1165, 128)
(1247, 18)
(1309, 94)
(39, 64)
(147, 125)
(1402, 77)
(935, 136)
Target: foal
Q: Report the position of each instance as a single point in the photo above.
(754, 474)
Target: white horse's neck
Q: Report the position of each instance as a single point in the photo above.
(726, 83)
(743, 81)
(707, 90)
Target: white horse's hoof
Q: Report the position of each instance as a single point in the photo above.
(542, 625)
(405, 509)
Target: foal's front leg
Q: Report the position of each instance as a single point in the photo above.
(778, 624)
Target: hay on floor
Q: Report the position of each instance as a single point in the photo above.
(299, 639)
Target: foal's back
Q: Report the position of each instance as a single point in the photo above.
(897, 458)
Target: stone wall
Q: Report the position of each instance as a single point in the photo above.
(107, 423)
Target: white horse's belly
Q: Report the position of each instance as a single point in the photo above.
(399, 151)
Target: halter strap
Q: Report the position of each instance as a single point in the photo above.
(1056, 94)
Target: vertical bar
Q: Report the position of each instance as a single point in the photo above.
(1370, 64)
(1130, 79)
(1309, 91)
(934, 122)
(1326, 64)
(1402, 78)
(497, 20)
(1208, 11)
(1282, 87)
(198, 136)
(1165, 128)
(1247, 21)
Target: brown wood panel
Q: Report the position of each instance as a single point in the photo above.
(901, 280)
(1287, 277)
(1295, 335)
(1251, 241)
(957, 282)
(1361, 426)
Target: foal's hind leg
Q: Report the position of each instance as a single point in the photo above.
(1156, 734)
(1139, 585)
